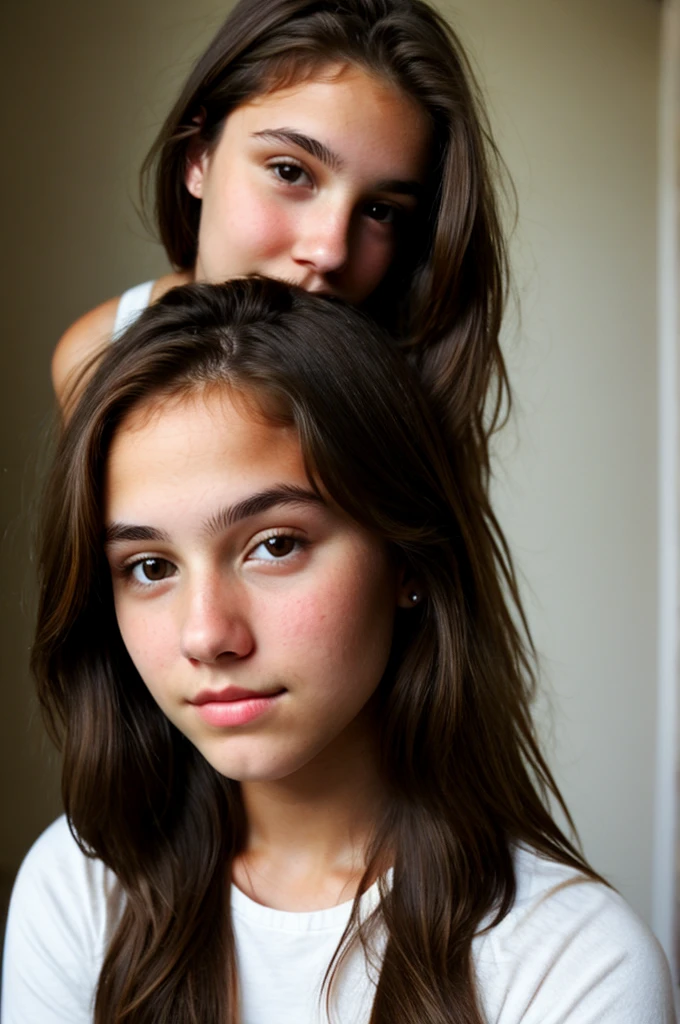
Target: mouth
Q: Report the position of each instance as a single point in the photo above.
(234, 706)
(232, 693)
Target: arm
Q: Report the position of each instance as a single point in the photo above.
(91, 333)
(79, 344)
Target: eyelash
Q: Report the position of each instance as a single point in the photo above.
(127, 569)
(301, 543)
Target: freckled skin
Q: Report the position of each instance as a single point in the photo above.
(316, 226)
(317, 622)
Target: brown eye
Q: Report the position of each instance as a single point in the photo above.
(279, 546)
(291, 174)
(151, 570)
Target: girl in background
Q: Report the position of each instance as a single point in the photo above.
(300, 774)
(341, 146)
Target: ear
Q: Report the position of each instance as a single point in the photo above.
(409, 588)
(196, 168)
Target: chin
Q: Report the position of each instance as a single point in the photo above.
(256, 768)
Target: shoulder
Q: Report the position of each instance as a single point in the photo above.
(81, 342)
(570, 951)
(56, 868)
(63, 911)
(85, 338)
(163, 284)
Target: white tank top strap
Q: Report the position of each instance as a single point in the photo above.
(131, 304)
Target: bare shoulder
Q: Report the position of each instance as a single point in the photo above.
(85, 338)
(173, 280)
(80, 342)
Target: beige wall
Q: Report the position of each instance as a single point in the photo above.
(573, 91)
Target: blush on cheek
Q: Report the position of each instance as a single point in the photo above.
(270, 229)
(344, 615)
(258, 223)
(300, 623)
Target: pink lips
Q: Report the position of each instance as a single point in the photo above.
(233, 706)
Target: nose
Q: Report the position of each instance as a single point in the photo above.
(322, 243)
(214, 623)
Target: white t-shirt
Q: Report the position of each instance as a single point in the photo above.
(569, 951)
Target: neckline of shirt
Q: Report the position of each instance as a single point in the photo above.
(330, 918)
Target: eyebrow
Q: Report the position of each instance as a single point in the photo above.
(289, 136)
(321, 152)
(253, 505)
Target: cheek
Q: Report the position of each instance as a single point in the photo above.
(244, 221)
(150, 641)
(269, 228)
(345, 623)
(374, 258)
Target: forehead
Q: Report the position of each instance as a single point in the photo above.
(191, 450)
(363, 116)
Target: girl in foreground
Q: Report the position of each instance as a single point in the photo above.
(299, 766)
(339, 145)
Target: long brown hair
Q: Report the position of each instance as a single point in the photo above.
(465, 775)
(444, 296)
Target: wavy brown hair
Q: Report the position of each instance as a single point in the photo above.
(444, 296)
(465, 776)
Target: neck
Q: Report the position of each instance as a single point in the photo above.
(308, 834)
